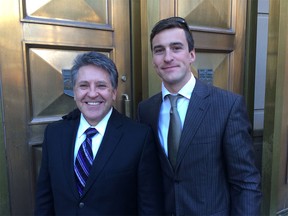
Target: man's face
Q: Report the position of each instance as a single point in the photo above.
(93, 93)
(172, 59)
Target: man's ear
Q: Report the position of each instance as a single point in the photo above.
(192, 55)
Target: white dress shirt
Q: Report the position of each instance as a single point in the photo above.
(182, 106)
(97, 139)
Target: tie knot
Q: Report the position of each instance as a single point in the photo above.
(90, 132)
(173, 99)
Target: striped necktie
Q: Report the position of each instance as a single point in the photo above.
(84, 160)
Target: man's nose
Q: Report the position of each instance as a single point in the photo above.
(168, 57)
(93, 92)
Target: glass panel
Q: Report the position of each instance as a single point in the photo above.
(90, 11)
(206, 13)
(212, 68)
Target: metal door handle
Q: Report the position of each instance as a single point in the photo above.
(126, 105)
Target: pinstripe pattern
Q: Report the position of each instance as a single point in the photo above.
(215, 172)
(84, 160)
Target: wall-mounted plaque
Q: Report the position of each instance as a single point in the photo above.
(206, 75)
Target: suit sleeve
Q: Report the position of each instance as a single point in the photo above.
(243, 176)
(150, 189)
(44, 197)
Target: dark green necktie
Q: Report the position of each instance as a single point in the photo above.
(174, 132)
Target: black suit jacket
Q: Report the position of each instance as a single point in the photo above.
(215, 172)
(125, 178)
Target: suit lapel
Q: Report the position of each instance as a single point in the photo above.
(68, 145)
(197, 108)
(154, 113)
(110, 140)
(154, 116)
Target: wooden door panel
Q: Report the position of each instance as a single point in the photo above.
(206, 13)
(49, 82)
(89, 11)
(218, 28)
(214, 28)
(41, 38)
(65, 35)
(212, 68)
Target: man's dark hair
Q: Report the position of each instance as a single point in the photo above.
(173, 22)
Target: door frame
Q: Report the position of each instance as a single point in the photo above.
(275, 135)
(17, 148)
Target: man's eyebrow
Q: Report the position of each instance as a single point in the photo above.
(82, 81)
(171, 44)
(176, 43)
(101, 82)
(158, 46)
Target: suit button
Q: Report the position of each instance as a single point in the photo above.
(81, 205)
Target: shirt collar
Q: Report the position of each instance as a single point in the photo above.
(185, 91)
(100, 127)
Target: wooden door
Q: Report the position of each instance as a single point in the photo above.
(218, 27)
(39, 40)
(275, 134)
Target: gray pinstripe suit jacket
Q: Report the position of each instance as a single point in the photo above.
(215, 172)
